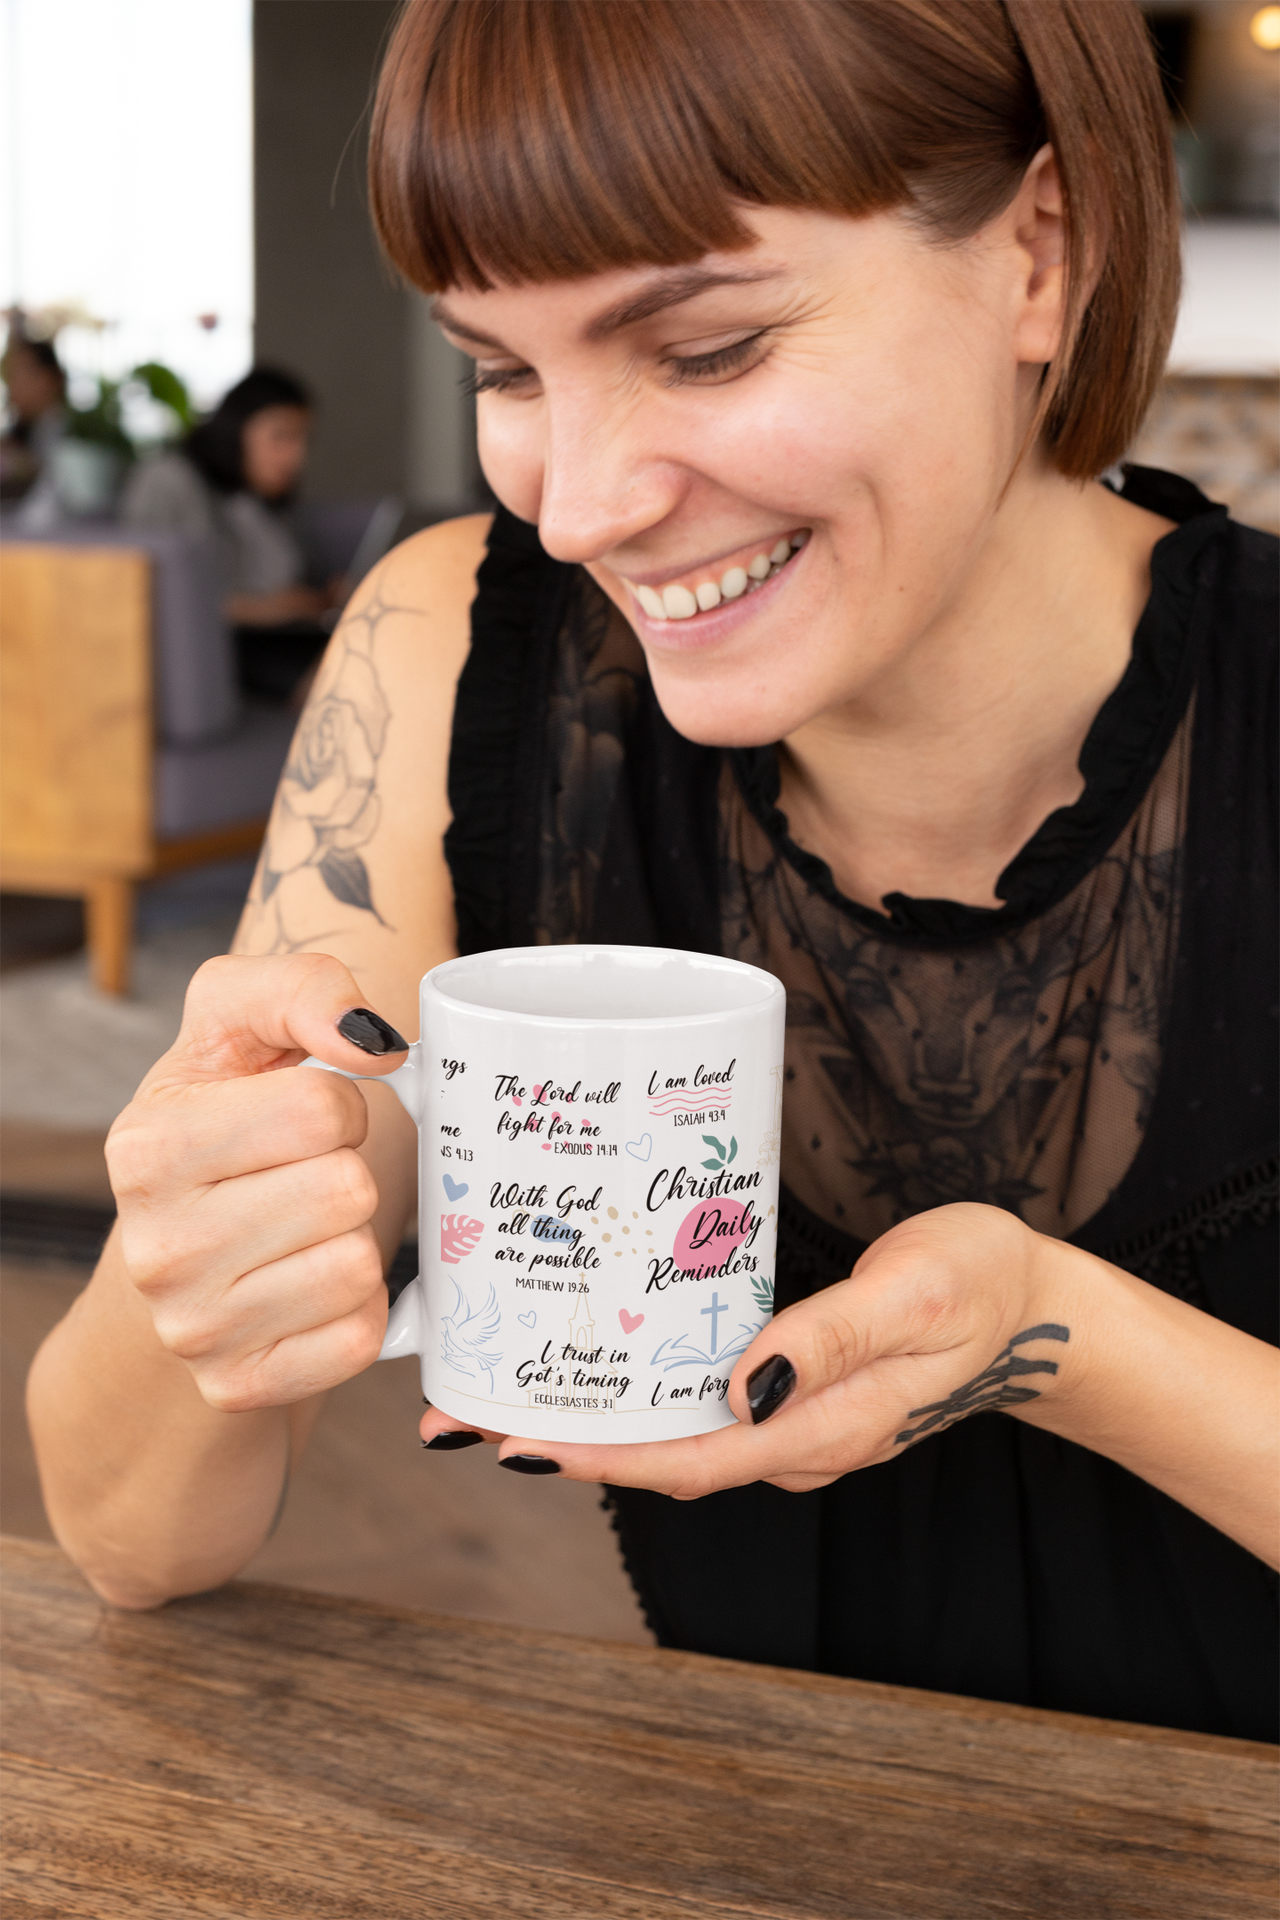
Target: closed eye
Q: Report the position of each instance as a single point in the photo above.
(721, 363)
(738, 357)
(496, 379)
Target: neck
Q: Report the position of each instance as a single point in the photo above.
(935, 775)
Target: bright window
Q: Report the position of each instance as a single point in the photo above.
(127, 180)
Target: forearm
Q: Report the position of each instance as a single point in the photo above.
(151, 1491)
(1185, 1401)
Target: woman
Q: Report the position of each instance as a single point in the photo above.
(36, 384)
(802, 336)
(233, 480)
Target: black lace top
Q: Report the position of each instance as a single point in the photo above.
(1097, 1054)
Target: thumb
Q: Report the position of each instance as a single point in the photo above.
(802, 1350)
(246, 1015)
(929, 1285)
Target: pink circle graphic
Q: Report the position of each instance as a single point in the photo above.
(710, 1233)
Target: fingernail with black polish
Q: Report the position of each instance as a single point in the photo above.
(769, 1386)
(370, 1032)
(450, 1442)
(530, 1463)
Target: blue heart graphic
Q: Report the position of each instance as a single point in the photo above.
(455, 1188)
(527, 1319)
(640, 1149)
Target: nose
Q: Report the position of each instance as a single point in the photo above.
(604, 482)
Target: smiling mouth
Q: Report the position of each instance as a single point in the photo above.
(702, 590)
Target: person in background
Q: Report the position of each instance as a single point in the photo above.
(37, 389)
(234, 478)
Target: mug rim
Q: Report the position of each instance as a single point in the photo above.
(772, 989)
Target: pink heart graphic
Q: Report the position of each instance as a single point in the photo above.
(630, 1321)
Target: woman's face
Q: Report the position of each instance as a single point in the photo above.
(274, 448)
(836, 409)
(33, 387)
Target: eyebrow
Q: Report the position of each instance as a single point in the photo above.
(670, 291)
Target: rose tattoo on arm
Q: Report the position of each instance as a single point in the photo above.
(327, 804)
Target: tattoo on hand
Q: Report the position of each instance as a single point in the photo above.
(989, 1388)
(327, 806)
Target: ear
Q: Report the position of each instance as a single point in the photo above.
(1038, 230)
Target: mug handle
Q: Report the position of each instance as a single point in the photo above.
(405, 1324)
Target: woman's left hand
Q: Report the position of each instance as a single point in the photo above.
(957, 1311)
(947, 1313)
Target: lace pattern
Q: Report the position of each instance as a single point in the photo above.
(1019, 1071)
(595, 686)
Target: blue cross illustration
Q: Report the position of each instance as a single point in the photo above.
(715, 1310)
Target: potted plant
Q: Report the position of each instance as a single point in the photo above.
(90, 459)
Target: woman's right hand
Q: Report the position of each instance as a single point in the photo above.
(244, 1206)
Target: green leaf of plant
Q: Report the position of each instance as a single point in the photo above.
(733, 1148)
(713, 1142)
(164, 385)
(99, 423)
(715, 1165)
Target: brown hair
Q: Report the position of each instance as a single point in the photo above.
(534, 140)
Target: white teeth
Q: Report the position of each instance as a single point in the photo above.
(681, 603)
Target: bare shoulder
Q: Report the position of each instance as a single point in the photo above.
(440, 563)
(421, 595)
(353, 862)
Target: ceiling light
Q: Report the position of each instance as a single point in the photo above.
(1264, 28)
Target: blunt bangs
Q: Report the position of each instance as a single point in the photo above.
(525, 141)
(521, 140)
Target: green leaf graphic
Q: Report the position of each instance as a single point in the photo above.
(762, 1290)
(713, 1142)
(733, 1148)
(715, 1165)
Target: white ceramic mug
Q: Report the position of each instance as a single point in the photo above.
(599, 1133)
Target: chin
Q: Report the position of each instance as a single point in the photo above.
(715, 714)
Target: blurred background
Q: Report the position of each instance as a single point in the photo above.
(182, 200)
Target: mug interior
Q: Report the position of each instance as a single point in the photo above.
(604, 983)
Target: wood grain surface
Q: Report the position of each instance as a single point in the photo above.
(75, 711)
(258, 1752)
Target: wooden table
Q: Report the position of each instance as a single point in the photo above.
(259, 1752)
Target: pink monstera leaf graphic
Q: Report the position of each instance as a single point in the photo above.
(458, 1236)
